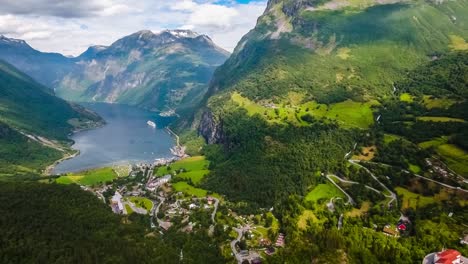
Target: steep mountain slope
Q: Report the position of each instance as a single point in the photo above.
(156, 71)
(309, 81)
(160, 72)
(34, 122)
(46, 68)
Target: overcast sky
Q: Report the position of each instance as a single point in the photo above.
(70, 26)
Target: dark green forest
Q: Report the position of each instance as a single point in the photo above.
(48, 223)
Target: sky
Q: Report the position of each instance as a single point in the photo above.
(71, 26)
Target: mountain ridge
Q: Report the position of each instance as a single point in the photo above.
(158, 71)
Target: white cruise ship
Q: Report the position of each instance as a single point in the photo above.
(151, 124)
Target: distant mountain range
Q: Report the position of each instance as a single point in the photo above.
(164, 71)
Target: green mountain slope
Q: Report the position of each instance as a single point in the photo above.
(311, 79)
(370, 96)
(34, 122)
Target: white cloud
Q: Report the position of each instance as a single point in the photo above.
(101, 22)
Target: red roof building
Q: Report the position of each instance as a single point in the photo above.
(449, 256)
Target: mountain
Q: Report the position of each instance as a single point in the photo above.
(46, 68)
(156, 71)
(321, 62)
(367, 96)
(34, 123)
(161, 72)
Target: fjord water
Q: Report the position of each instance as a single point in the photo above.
(126, 137)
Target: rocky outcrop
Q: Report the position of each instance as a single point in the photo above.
(210, 128)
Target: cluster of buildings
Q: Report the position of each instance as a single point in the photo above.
(154, 182)
(448, 256)
(117, 204)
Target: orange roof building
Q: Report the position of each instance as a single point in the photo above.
(449, 256)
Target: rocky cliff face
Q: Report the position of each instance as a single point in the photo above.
(211, 129)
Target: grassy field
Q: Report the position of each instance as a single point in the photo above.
(413, 200)
(142, 202)
(196, 176)
(358, 212)
(128, 209)
(440, 119)
(406, 97)
(455, 157)
(89, 177)
(389, 138)
(306, 216)
(197, 163)
(189, 189)
(321, 191)
(443, 103)
(414, 168)
(348, 114)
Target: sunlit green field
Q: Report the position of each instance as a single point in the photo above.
(142, 202)
(347, 114)
(189, 189)
(89, 177)
(413, 200)
(322, 191)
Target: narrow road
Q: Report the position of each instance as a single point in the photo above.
(234, 242)
(353, 182)
(175, 135)
(422, 177)
(392, 195)
(350, 199)
(213, 215)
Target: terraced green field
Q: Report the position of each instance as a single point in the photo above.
(322, 191)
(189, 189)
(440, 119)
(455, 157)
(89, 177)
(197, 163)
(195, 176)
(413, 200)
(348, 114)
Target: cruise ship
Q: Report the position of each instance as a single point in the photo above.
(151, 124)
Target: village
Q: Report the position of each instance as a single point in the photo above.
(151, 191)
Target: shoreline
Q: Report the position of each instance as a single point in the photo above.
(50, 168)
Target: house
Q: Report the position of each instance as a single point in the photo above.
(449, 256)
(280, 240)
(210, 200)
(193, 206)
(116, 203)
(389, 231)
(464, 241)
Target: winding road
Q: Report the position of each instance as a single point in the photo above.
(392, 195)
(350, 199)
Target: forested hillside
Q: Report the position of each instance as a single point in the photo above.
(369, 96)
(34, 123)
(48, 223)
(312, 65)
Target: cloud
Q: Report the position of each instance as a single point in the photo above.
(51, 28)
(61, 8)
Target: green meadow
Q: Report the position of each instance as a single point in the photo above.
(413, 200)
(142, 202)
(323, 191)
(89, 177)
(347, 114)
